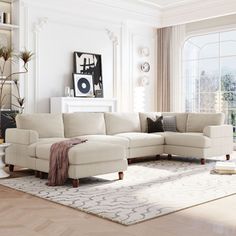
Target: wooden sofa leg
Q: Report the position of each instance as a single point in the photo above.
(203, 161)
(121, 175)
(227, 157)
(169, 156)
(42, 175)
(75, 183)
(11, 168)
(129, 161)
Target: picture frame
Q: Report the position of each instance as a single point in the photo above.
(83, 85)
(90, 64)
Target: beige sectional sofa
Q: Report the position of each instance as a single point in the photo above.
(112, 139)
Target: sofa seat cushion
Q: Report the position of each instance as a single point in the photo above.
(32, 147)
(164, 134)
(142, 139)
(85, 153)
(197, 140)
(107, 139)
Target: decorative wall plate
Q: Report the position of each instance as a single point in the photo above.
(145, 67)
(144, 81)
(144, 52)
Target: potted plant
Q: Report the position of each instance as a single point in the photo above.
(7, 56)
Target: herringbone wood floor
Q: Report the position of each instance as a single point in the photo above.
(24, 215)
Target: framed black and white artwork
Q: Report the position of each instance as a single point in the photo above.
(83, 85)
(90, 64)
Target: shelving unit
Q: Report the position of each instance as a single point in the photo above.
(10, 6)
(9, 36)
(7, 1)
(8, 26)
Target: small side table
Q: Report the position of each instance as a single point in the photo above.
(3, 146)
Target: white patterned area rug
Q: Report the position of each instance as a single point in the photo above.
(149, 190)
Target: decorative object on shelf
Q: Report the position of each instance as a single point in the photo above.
(3, 146)
(67, 91)
(145, 67)
(90, 64)
(98, 93)
(7, 121)
(5, 17)
(7, 56)
(72, 93)
(83, 85)
(144, 52)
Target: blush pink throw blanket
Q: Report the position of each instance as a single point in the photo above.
(59, 161)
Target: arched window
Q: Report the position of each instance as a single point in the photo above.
(209, 70)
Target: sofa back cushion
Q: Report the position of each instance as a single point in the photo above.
(169, 123)
(181, 120)
(143, 119)
(122, 122)
(47, 125)
(83, 123)
(198, 121)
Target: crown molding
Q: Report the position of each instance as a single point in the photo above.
(103, 10)
(136, 6)
(153, 3)
(146, 12)
(196, 11)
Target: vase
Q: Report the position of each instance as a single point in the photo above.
(7, 120)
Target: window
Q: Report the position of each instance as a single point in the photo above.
(209, 70)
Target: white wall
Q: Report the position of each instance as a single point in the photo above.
(53, 30)
(143, 95)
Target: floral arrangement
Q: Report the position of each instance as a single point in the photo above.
(8, 56)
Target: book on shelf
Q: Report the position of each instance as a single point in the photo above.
(229, 172)
(225, 168)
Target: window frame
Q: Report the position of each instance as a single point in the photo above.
(219, 69)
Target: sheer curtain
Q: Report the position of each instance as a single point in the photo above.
(169, 79)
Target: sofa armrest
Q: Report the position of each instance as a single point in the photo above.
(21, 136)
(218, 131)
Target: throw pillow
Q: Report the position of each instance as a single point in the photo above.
(155, 125)
(169, 123)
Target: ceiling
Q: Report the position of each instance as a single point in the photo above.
(165, 3)
(163, 13)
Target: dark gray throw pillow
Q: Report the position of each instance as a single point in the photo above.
(169, 123)
(155, 125)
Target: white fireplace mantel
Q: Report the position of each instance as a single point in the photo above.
(74, 104)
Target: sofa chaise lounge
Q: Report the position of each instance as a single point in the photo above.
(112, 139)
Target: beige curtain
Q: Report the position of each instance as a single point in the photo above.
(170, 87)
(177, 90)
(163, 68)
